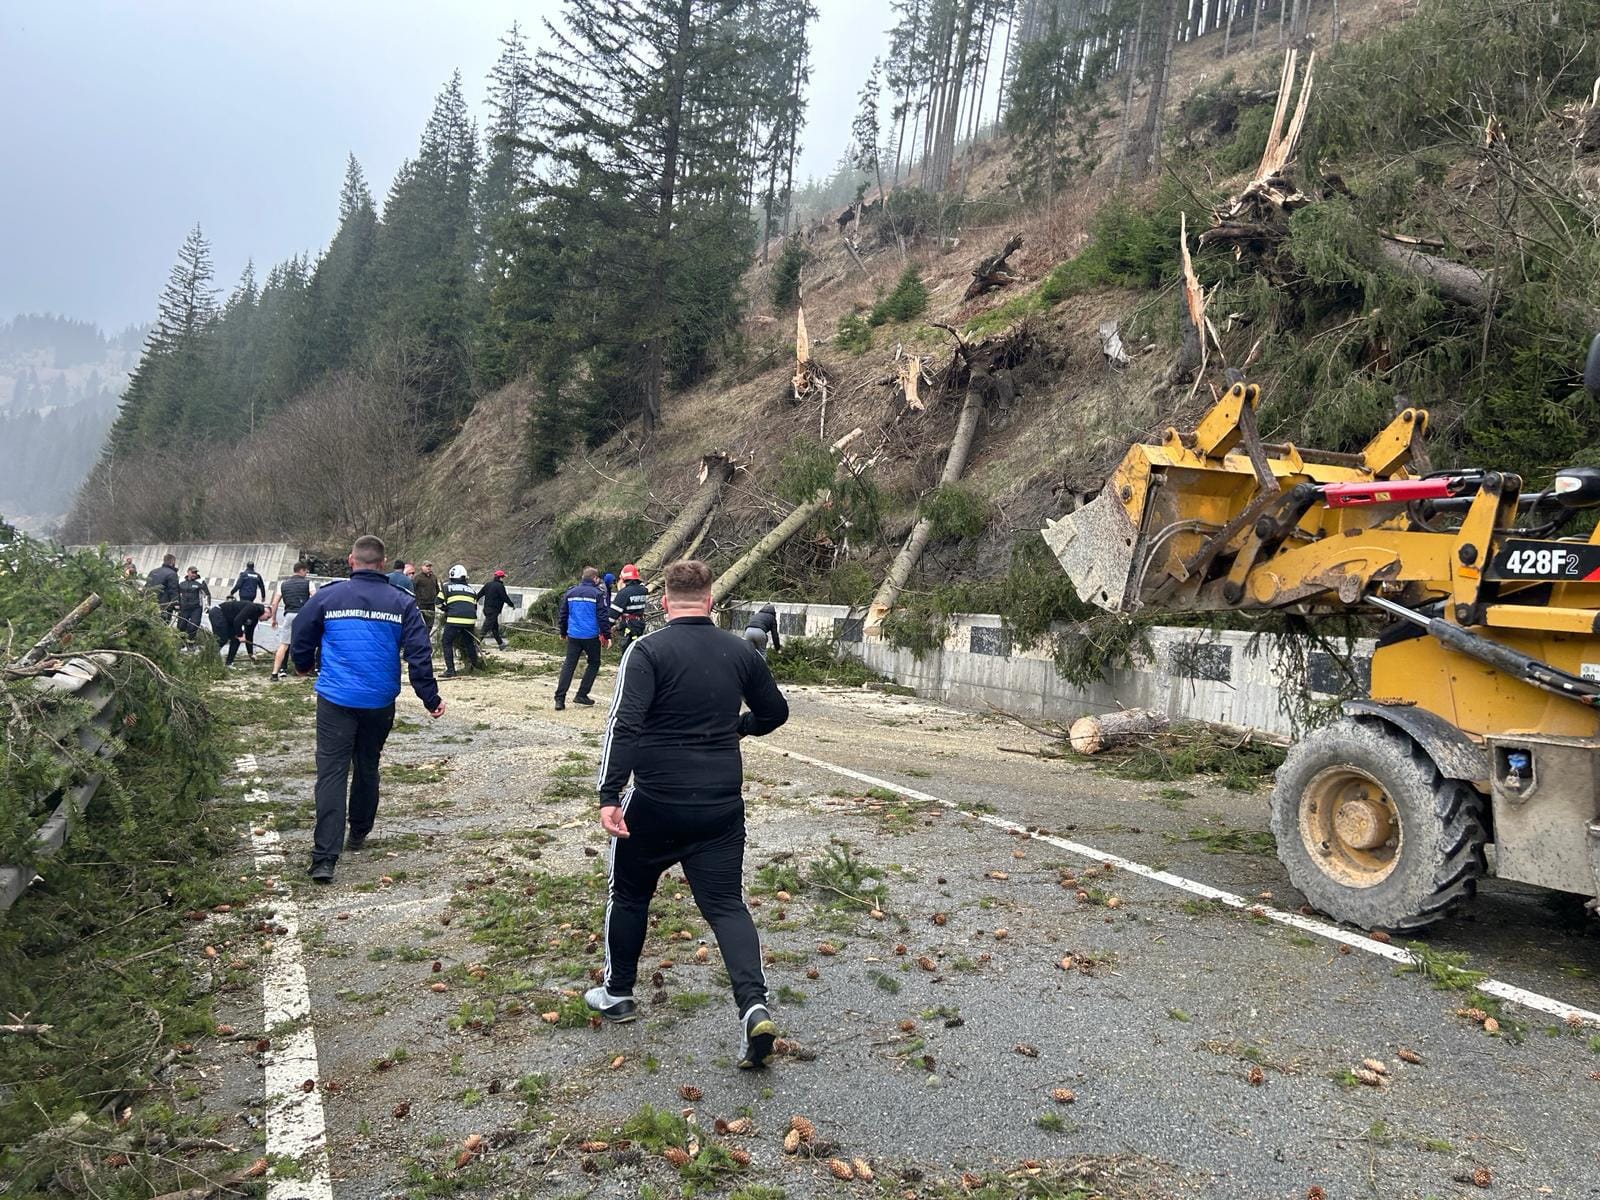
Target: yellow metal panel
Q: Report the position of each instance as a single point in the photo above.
(1477, 698)
(1540, 619)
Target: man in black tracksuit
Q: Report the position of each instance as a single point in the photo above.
(493, 600)
(761, 630)
(234, 621)
(674, 731)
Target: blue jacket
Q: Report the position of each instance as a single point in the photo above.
(364, 625)
(402, 581)
(584, 612)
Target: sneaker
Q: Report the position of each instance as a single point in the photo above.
(760, 1032)
(321, 872)
(616, 1009)
(275, 676)
(584, 700)
(355, 841)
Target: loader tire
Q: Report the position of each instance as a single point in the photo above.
(1370, 831)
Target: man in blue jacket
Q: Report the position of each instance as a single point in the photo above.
(363, 626)
(584, 619)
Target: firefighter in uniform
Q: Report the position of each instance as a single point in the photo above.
(459, 600)
(627, 607)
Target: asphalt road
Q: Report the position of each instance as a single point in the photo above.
(1209, 1052)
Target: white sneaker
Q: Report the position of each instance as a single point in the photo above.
(616, 1009)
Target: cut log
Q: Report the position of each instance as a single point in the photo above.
(955, 462)
(779, 534)
(1091, 735)
(1464, 285)
(716, 469)
(993, 272)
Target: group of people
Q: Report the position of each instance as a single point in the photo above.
(670, 780)
(185, 601)
(450, 607)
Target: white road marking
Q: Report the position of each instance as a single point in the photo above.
(1492, 987)
(296, 1127)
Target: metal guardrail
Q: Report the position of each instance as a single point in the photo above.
(82, 679)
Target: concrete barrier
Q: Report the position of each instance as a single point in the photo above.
(1227, 676)
(219, 562)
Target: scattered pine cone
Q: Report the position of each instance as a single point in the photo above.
(593, 1147)
(1063, 1095)
(862, 1169)
(1376, 1066)
(841, 1169)
(676, 1155)
(1410, 1056)
(1482, 1177)
(742, 1157)
(804, 1128)
(741, 1126)
(791, 1141)
(1370, 1078)
(1255, 1077)
(690, 1093)
(827, 949)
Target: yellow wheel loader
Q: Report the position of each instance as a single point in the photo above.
(1479, 749)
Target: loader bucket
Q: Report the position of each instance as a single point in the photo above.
(1095, 546)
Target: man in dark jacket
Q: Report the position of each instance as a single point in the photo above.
(230, 621)
(628, 607)
(162, 584)
(363, 626)
(401, 575)
(249, 585)
(670, 782)
(761, 631)
(426, 586)
(493, 600)
(584, 620)
(193, 596)
(293, 593)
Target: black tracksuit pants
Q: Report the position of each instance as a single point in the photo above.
(491, 627)
(463, 636)
(575, 648)
(347, 738)
(709, 843)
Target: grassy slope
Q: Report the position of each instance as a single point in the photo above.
(1072, 419)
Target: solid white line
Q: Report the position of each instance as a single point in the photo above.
(1493, 987)
(296, 1127)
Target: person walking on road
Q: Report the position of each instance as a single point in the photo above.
(293, 593)
(162, 584)
(494, 599)
(671, 784)
(362, 627)
(193, 596)
(460, 602)
(584, 620)
(249, 585)
(761, 630)
(627, 607)
(426, 586)
(401, 576)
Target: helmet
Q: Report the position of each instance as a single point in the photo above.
(610, 578)
(499, 574)
(630, 574)
(458, 572)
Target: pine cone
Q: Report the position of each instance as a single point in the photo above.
(862, 1170)
(742, 1157)
(791, 1141)
(676, 1155)
(690, 1093)
(840, 1169)
(592, 1147)
(741, 1126)
(1410, 1056)
(1063, 1095)
(804, 1128)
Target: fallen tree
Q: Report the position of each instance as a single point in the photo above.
(994, 271)
(784, 529)
(716, 469)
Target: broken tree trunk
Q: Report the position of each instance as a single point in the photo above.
(779, 534)
(1464, 285)
(59, 630)
(955, 462)
(715, 471)
(993, 272)
(1090, 735)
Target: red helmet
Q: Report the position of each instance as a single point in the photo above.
(630, 574)
(499, 574)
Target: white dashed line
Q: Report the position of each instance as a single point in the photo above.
(1493, 987)
(296, 1127)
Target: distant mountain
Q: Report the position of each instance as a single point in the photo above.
(60, 383)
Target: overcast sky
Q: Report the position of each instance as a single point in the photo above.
(126, 121)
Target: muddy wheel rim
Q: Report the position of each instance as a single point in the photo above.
(1350, 826)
